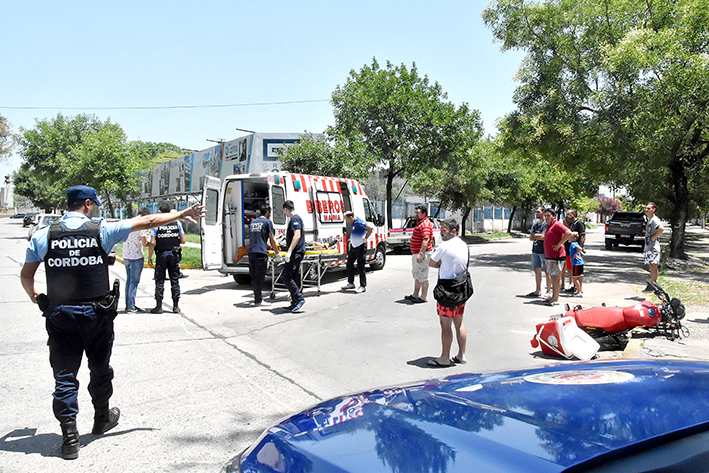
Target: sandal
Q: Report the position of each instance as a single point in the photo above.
(534, 294)
(458, 361)
(436, 364)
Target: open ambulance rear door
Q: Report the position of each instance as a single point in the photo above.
(211, 224)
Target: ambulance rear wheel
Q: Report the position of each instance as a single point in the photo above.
(242, 279)
(379, 259)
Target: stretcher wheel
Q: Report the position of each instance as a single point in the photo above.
(273, 295)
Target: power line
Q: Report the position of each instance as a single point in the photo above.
(167, 107)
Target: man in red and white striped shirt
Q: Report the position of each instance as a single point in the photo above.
(421, 248)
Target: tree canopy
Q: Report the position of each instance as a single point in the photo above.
(404, 123)
(61, 152)
(617, 89)
(5, 139)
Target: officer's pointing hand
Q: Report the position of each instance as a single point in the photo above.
(196, 211)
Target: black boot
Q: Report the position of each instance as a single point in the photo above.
(70, 442)
(105, 419)
(175, 307)
(158, 307)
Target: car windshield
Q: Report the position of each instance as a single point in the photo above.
(634, 216)
(410, 223)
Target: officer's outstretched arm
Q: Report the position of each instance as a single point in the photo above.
(155, 220)
(27, 278)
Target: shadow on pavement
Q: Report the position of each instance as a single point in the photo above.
(624, 265)
(48, 445)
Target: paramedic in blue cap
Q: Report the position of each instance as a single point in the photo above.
(78, 306)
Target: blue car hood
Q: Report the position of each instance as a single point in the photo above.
(537, 420)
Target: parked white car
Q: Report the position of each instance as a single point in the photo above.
(400, 238)
(41, 220)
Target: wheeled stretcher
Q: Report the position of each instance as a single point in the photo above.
(315, 264)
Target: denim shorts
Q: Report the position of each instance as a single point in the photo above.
(538, 261)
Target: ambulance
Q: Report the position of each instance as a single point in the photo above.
(320, 201)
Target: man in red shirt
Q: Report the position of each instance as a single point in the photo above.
(421, 248)
(554, 252)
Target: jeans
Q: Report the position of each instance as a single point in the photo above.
(134, 267)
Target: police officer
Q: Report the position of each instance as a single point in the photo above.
(78, 310)
(166, 241)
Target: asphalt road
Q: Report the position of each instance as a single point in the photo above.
(198, 387)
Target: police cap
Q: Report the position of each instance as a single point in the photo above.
(82, 193)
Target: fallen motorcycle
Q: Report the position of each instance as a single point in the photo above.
(610, 325)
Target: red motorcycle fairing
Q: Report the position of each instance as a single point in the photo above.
(617, 319)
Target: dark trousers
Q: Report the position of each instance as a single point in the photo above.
(258, 267)
(291, 276)
(167, 261)
(357, 255)
(74, 330)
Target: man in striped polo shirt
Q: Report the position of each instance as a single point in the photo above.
(421, 248)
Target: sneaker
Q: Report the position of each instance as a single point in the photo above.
(299, 305)
(410, 297)
(570, 290)
(578, 295)
(348, 286)
(361, 289)
(131, 310)
(261, 303)
(547, 296)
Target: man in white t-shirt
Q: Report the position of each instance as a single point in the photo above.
(651, 251)
(451, 259)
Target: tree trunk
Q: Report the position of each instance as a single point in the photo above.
(110, 206)
(512, 214)
(680, 199)
(390, 185)
(462, 224)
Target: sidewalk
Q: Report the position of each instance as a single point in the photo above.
(696, 270)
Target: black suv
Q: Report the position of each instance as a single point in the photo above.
(625, 228)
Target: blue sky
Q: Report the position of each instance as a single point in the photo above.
(80, 56)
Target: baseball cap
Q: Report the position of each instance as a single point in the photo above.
(82, 193)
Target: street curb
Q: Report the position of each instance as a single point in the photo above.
(145, 265)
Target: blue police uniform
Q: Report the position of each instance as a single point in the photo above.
(74, 324)
(167, 246)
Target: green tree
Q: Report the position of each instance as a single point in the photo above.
(5, 139)
(405, 123)
(45, 152)
(151, 154)
(103, 160)
(325, 155)
(65, 151)
(618, 89)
